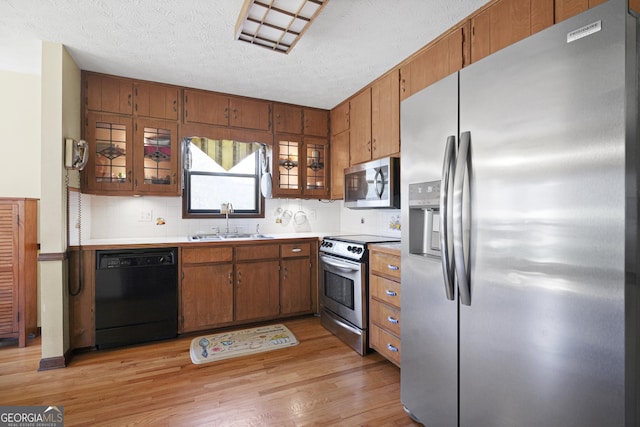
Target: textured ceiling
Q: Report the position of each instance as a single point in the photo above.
(190, 43)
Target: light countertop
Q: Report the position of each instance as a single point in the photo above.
(168, 240)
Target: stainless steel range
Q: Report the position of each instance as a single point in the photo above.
(344, 284)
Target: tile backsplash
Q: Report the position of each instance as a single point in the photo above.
(129, 217)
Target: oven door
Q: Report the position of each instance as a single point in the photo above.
(343, 289)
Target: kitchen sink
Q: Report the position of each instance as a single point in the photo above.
(227, 236)
(231, 236)
(204, 237)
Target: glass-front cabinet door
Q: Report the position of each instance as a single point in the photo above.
(288, 165)
(156, 152)
(300, 166)
(109, 167)
(316, 167)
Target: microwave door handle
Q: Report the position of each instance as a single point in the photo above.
(338, 265)
(381, 181)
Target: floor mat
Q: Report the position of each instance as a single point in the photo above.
(210, 348)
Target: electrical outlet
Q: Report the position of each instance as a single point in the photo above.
(145, 215)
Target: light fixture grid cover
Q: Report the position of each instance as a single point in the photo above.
(276, 24)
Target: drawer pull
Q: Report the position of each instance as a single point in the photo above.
(393, 267)
(391, 293)
(392, 348)
(392, 320)
(296, 250)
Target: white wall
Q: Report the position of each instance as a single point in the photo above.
(122, 217)
(20, 130)
(60, 118)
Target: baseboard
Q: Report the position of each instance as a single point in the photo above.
(49, 363)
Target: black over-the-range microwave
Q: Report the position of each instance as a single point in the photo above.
(374, 184)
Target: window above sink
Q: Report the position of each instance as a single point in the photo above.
(221, 171)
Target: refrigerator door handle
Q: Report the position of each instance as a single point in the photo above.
(462, 271)
(446, 189)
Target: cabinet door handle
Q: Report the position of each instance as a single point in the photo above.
(239, 277)
(391, 293)
(175, 105)
(231, 277)
(393, 267)
(392, 348)
(226, 112)
(392, 320)
(129, 176)
(129, 100)
(296, 250)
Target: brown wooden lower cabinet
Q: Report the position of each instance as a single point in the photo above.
(219, 285)
(207, 296)
(384, 301)
(295, 279)
(82, 298)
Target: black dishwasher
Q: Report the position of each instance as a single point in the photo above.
(136, 296)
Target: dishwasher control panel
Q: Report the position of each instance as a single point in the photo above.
(124, 259)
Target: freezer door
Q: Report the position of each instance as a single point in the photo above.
(542, 343)
(429, 320)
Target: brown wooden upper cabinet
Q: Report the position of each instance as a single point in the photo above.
(155, 161)
(437, 60)
(299, 120)
(109, 168)
(339, 155)
(223, 110)
(156, 100)
(385, 115)
(107, 94)
(565, 9)
(340, 118)
(315, 122)
(301, 167)
(339, 148)
(360, 127)
(287, 118)
(506, 22)
(374, 120)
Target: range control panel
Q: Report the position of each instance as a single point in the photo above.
(349, 250)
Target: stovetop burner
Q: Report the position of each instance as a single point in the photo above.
(352, 246)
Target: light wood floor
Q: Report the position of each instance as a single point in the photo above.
(320, 382)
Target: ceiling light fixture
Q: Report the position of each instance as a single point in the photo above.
(276, 24)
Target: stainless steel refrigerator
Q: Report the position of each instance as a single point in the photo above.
(520, 301)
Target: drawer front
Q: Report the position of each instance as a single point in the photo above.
(251, 252)
(385, 290)
(292, 250)
(207, 255)
(385, 344)
(386, 265)
(385, 317)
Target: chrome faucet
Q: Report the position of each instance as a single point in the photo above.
(227, 208)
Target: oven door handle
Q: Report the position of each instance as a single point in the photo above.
(339, 265)
(344, 325)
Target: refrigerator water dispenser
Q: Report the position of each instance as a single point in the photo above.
(424, 218)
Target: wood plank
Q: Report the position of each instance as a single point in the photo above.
(321, 381)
